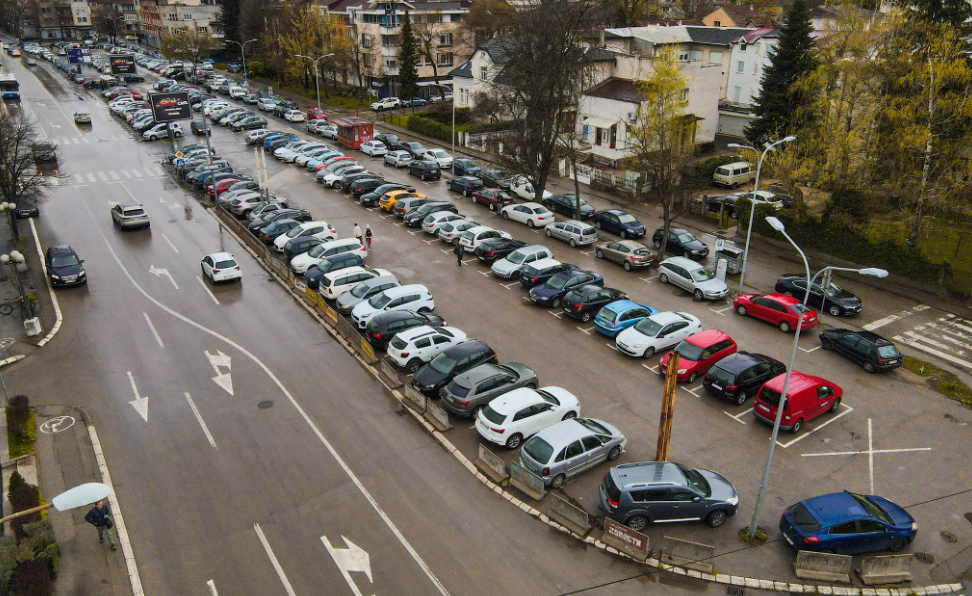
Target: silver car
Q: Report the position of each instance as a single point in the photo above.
(130, 215)
(572, 232)
(693, 277)
(510, 266)
(434, 221)
(451, 232)
(364, 291)
(570, 447)
(471, 391)
(628, 253)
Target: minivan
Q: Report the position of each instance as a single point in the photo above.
(806, 398)
(335, 283)
(540, 271)
(734, 174)
(510, 267)
(411, 297)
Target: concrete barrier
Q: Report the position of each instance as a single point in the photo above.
(364, 349)
(491, 465)
(525, 480)
(690, 555)
(887, 569)
(389, 372)
(436, 415)
(574, 518)
(822, 566)
(626, 540)
(415, 399)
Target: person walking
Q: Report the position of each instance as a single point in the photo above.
(368, 236)
(100, 518)
(357, 233)
(459, 251)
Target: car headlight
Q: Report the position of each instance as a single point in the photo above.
(57, 277)
(733, 500)
(82, 274)
(914, 526)
(682, 371)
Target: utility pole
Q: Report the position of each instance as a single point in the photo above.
(668, 409)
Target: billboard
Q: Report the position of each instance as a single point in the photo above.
(169, 107)
(79, 55)
(122, 64)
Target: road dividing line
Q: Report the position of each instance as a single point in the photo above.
(208, 291)
(274, 561)
(170, 243)
(202, 422)
(154, 332)
(212, 588)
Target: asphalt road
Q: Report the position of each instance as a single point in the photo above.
(192, 506)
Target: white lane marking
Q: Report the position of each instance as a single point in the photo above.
(587, 331)
(273, 560)
(914, 343)
(484, 273)
(85, 140)
(161, 272)
(139, 403)
(170, 243)
(293, 401)
(613, 347)
(807, 434)
(895, 317)
(127, 175)
(527, 298)
(103, 177)
(556, 314)
(587, 252)
(645, 279)
(931, 341)
(91, 177)
(738, 416)
(79, 178)
(208, 291)
(810, 350)
(136, 173)
(653, 369)
(202, 422)
(113, 175)
(510, 285)
(693, 391)
(152, 327)
(212, 588)
(445, 251)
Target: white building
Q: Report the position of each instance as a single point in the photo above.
(482, 70)
(750, 55)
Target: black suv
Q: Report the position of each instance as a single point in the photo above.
(583, 303)
(425, 170)
(295, 214)
(493, 249)
(64, 267)
(739, 376)
(371, 198)
(200, 128)
(681, 243)
(834, 300)
(332, 263)
(565, 205)
(435, 375)
(365, 185)
(465, 185)
(384, 326)
(868, 349)
(414, 218)
(283, 106)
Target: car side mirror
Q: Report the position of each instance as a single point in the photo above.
(80, 260)
(696, 499)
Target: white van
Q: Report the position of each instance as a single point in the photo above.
(237, 92)
(734, 174)
(335, 283)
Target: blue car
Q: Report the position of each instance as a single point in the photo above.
(551, 293)
(313, 163)
(271, 138)
(620, 223)
(465, 167)
(847, 523)
(621, 314)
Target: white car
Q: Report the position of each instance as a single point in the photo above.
(434, 221)
(374, 148)
(398, 158)
(334, 178)
(524, 412)
(318, 229)
(452, 231)
(290, 151)
(522, 188)
(259, 132)
(658, 332)
(312, 258)
(209, 108)
(412, 348)
(305, 150)
(534, 215)
(328, 131)
(387, 103)
(294, 116)
(440, 157)
(473, 237)
(414, 297)
(308, 154)
(221, 266)
(266, 104)
(161, 131)
(335, 283)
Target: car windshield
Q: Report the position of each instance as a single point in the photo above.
(558, 281)
(888, 352)
(380, 300)
(648, 327)
(626, 218)
(443, 363)
(490, 414)
(293, 232)
(696, 482)
(65, 261)
(360, 290)
(833, 289)
(689, 351)
(593, 426)
(516, 257)
(872, 508)
(685, 238)
(538, 449)
(799, 308)
(702, 275)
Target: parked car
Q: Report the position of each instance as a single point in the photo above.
(161, 131)
(584, 302)
(294, 116)
(541, 270)
(415, 217)
(391, 141)
(739, 376)
(398, 158)
(534, 215)
(512, 264)
(64, 266)
(411, 297)
(388, 103)
(494, 178)
(472, 237)
(572, 232)
(415, 149)
(301, 263)
(404, 204)
(866, 348)
(724, 204)
(374, 148)
(465, 185)
(382, 328)
(494, 198)
(807, 397)
(551, 292)
(615, 317)
(567, 205)
(630, 254)
(412, 348)
(279, 227)
(834, 300)
(414, 102)
(431, 378)
(569, 448)
(434, 221)
(657, 332)
(847, 523)
(370, 199)
(465, 167)
(522, 413)
(523, 188)
(468, 393)
(130, 214)
(200, 128)
(681, 242)
(786, 312)
(490, 251)
(661, 491)
(426, 170)
(300, 245)
(451, 232)
(221, 266)
(363, 291)
(619, 222)
(692, 277)
(698, 353)
(316, 114)
(313, 276)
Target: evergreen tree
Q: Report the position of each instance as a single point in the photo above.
(780, 107)
(407, 61)
(956, 13)
(229, 14)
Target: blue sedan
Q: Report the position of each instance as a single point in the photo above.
(551, 293)
(621, 314)
(847, 523)
(619, 222)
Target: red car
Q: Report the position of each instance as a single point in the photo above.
(221, 186)
(697, 353)
(779, 309)
(316, 114)
(494, 198)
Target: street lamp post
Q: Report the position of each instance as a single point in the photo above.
(777, 225)
(752, 208)
(158, 32)
(114, 25)
(243, 53)
(317, 78)
(19, 263)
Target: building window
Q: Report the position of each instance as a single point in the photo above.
(391, 63)
(366, 40)
(445, 59)
(742, 46)
(685, 93)
(368, 60)
(715, 57)
(187, 17)
(735, 94)
(445, 39)
(389, 41)
(695, 55)
(741, 66)
(202, 29)
(483, 72)
(683, 56)
(717, 23)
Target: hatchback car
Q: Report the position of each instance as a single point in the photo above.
(660, 491)
(494, 198)
(64, 267)
(470, 392)
(431, 378)
(221, 266)
(522, 413)
(351, 280)
(398, 158)
(698, 353)
(834, 300)
(465, 167)
(465, 185)
(313, 276)
(628, 253)
(426, 170)
(866, 348)
(619, 222)
(440, 157)
(411, 297)
(786, 312)
(692, 277)
(681, 243)
(551, 293)
(534, 215)
(371, 198)
(415, 217)
(847, 523)
(583, 303)
(571, 447)
(374, 148)
(451, 232)
(572, 232)
(434, 221)
(385, 326)
(414, 347)
(739, 376)
(130, 215)
(567, 205)
(617, 316)
(510, 266)
(490, 251)
(472, 237)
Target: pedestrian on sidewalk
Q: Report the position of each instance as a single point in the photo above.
(357, 233)
(99, 517)
(459, 251)
(368, 236)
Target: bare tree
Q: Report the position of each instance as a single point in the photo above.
(487, 19)
(427, 33)
(187, 44)
(11, 15)
(20, 151)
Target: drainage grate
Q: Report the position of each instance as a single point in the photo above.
(735, 591)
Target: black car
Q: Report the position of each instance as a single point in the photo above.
(619, 222)
(584, 302)
(866, 348)
(494, 178)
(371, 198)
(296, 214)
(332, 263)
(384, 326)
(466, 185)
(493, 249)
(300, 245)
(566, 205)
(27, 207)
(200, 128)
(414, 218)
(415, 148)
(725, 204)
(283, 106)
(681, 243)
(425, 170)
(551, 293)
(64, 267)
(364, 185)
(437, 373)
(391, 141)
(739, 376)
(348, 179)
(279, 227)
(133, 78)
(465, 167)
(834, 300)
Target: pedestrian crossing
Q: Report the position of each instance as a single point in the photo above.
(151, 171)
(66, 141)
(948, 338)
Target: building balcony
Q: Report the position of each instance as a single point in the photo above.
(391, 71)
(390, 29)
(389, 51)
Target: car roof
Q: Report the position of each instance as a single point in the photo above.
(666, 317)
(868, 335)
(706, 338)
(346, 271)
(631, 244)
(684, 262)
(835, 508)
(740, 361)
(61, 249)
(130, 205)
(544, 262)
(781, 298)
(399, 290)
(418, 331)
(221, 256)
(479, 373)
(798, 382)
(479, 230)
(656, 473)
(622, 305)
(511, 402)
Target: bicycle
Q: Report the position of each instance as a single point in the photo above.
(7, 307)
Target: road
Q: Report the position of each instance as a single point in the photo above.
(272, 468)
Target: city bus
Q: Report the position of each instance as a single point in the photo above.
(9, 88)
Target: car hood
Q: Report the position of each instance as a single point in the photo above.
(722, 490)
(303, 260)
(712, 285)
(632, 336)
(634, 227)
(696, 245)
(899, 516)
(844, 297)
(429, 378)
(505, 266)
(346, 300)
(67, 270)
(545, 291)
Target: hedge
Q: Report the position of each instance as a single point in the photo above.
(35, 556)
(430, 128)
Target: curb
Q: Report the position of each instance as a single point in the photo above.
(57, 307)
(12, 359)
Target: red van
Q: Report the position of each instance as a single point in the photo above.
(807, 397)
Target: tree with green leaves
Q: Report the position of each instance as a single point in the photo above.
(779, 109)
(956, 13)
(408, 61)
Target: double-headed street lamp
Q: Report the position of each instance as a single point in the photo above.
(317, 77)
(777, 225)
(243, 53)
(114, 25)
(752, 208)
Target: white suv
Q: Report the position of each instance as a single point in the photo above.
(387, 103)
(412, 348)
(335, 283)
(317, 229)
(414, 297)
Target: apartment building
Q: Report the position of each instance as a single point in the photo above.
(58, 20)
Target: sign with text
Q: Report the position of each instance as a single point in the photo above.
(78, 55)
(169, 107)
(625, 539)
(122, 64)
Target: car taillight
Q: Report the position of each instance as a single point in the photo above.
(880, 361)
(612, 502)
(577, 306)
(534, 280)
(612, 324)
(492, 254)
(498, 431)
(215, 270)
(462, 403)
(376, 335)
(731, 387)
(404, 354)
(811, 539)
(546, 472)
(636, 258)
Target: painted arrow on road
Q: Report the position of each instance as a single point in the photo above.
(217, 360)
(139, 403)
(161, 272)
(353, 558)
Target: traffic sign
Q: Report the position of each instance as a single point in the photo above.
(179, 162)
(179, 153)
(720, 244)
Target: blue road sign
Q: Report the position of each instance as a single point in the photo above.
(78, 55)
(180, 162)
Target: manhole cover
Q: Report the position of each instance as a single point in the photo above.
(263, 405)
(949, 537)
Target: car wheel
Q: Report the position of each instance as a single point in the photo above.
(477, 410)
(735, 185)
(549, 235)
(597, 225)
(834, 310)
(515, 276)
(835, 406)
(558, 481)
(657, 243)
(898, 544)
(797, 426)
(663, 278)
(788, 293)
(599, 254)
(586, 317)
(624, 235)
(556, 303)
(699, 296)
(784, 327)
(649, 352)
(615, 453)
(424, 310)
(637, 523)
(475, 200)
(530, 224)
(741, 398)
(573, 243)
(826, 344)
(506, 215)
(693, 376)
(569, 415)
(716, 518)
(627, 266)
(514, 441)
(741, 310)
(465, 192)
(869, 367)
(413, 365)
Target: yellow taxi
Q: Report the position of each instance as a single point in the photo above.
(391, 197)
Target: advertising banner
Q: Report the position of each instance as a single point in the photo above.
(122, 64)
(169, 107)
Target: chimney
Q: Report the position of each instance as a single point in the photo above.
(600, 37)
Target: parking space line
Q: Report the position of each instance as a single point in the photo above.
(810, 350)
(653, 369)
(469, 261)
(535, 231)
(738, 416)
(508, 286)
(556, 314)
(429, 242)
(587, 252)
(645, 279)
(587, 331)
(444, 250)
(484, 273)
(808, 433)
(693, 390)
(527, 298)
(414, 232)
(612, 346)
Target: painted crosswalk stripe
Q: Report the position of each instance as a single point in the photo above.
(91, 177)
(127, 175)
(157, 171)
(102, 176)
(79, 178)
(85, 140)
(113, 175)
(136, 173)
